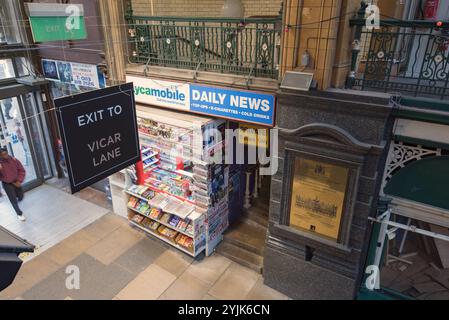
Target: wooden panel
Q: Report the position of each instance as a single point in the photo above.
(419, 211)
(422, 130)
(442, 246)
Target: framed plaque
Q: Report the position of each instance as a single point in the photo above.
(318, 197)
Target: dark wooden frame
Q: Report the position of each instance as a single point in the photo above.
(329, 144)
(349, 200)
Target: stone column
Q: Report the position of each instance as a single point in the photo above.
(289, 35)
(256, 183)
(247, 203)
(115, 34)
(311, 26)
(328, 133)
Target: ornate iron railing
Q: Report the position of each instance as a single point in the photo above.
(409, 57)
(245, 47)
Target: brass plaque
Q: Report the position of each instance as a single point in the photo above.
(318, 197)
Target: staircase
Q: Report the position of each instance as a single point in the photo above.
(244, 242)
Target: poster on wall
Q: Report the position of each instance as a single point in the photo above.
(254, 136)
(318, 195)
(65, 72)
(74, 73)
(232, 104)
(99, 134)
(50, 69)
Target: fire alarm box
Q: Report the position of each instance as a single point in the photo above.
(431, 9)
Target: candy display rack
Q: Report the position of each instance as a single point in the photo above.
(184, 199)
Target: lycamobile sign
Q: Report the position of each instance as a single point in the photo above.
(238, 105)
(167, 93)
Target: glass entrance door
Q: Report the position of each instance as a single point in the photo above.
(39, 138)
(21, 132)
(15, 137)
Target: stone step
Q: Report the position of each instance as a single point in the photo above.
(261, 205)
(257, 216)
(241, 256)
(262, 210)
(248, 236)
(256, 220)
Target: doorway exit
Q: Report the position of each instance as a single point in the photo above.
(22, 124)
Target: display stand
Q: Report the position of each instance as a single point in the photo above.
(183, 200)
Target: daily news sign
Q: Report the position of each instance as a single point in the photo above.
(239, 105)
(99, 133)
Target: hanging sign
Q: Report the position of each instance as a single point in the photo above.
(99, 134)
(56, 22)
(238, 105)
(78, 74)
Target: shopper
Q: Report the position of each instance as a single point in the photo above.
(12, 175)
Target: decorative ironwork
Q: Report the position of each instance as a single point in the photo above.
(198, 47)
(141, 33)
(229, 44)
(401, 155)
(246, 47)
(168, 39)
(411, 57)
(265, 44)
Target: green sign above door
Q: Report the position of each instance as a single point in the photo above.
(56, 22)
(55, 28)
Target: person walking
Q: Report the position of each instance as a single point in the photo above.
(12, 175)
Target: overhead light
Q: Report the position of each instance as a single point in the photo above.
(233, 9)
(294, 80)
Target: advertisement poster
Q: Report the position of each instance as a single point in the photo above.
(78, 74)
(65, 72)
(254, 136)
(318, 196)
(99, 134)
(50, 69)
(240, 105)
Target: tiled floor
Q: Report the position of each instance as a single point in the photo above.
(52, 215)
(88, 194)
(119, 262)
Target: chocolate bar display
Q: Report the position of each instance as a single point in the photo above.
(183, 199)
